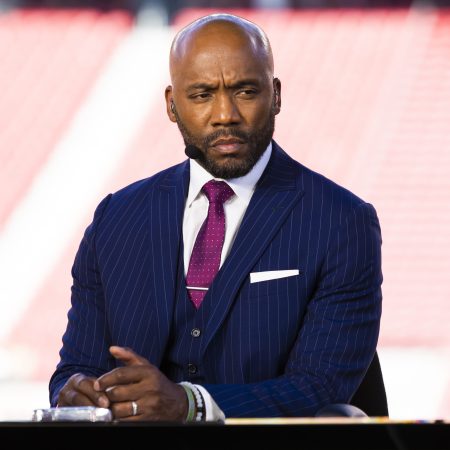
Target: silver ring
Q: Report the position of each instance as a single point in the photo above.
(134, 407)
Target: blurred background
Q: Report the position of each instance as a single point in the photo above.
(365, 101)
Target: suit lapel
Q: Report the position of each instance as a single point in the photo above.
(166, 219)
(274, 197)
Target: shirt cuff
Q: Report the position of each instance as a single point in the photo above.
(213, 412)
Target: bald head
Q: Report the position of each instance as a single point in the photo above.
(216, 30)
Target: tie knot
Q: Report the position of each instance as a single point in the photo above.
(217, 191)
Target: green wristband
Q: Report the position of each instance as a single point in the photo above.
(191, 403)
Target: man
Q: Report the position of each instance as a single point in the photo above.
(288, 324)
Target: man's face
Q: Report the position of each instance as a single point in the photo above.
(224, 102)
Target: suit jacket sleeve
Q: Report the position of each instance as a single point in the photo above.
(85, 341)
(337, 339)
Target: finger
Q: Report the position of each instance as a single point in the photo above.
(79, 391)
(119, 376)
(85, 386)
(124, 411)
(74, 398)
(127, 356)
(132, 418)
(123, 393)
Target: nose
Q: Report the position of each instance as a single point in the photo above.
(224, 111)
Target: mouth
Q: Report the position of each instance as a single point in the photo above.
(230, 145)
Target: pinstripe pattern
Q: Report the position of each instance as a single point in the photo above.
(283, 347)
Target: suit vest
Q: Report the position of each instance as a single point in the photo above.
(182, 357)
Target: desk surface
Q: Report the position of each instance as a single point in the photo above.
(235, 434)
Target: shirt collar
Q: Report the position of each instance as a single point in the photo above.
(243, 187)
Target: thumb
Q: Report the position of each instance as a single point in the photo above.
(128, 356)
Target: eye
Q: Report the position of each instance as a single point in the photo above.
(201, 96)
(247, 93)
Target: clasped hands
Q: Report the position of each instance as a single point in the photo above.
(136, 391)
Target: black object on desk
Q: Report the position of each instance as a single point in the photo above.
(237, 434)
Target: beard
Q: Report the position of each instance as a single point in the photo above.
(233, 167)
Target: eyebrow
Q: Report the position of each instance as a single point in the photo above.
(246, 82)
(202, 86)
(237, 84)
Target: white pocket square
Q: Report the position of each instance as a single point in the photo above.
(256, 277)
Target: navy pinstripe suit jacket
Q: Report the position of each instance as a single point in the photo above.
(284, 347)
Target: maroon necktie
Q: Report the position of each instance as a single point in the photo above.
(205, 258)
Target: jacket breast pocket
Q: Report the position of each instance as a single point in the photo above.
(273, 284)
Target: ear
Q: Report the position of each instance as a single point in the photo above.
(277, 95)
(170, 105)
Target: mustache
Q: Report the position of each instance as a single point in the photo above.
(229, 132)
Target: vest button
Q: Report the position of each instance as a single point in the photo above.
(195, 332)
(192, 368)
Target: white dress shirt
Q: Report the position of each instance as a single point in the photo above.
(197, 204)
(195, 213)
